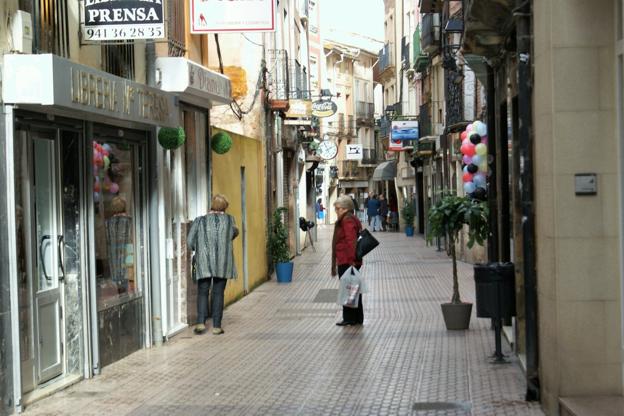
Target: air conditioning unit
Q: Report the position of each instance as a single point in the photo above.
(22, 32)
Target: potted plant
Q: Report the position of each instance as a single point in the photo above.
(447, 218)
(407, 215)
(278, 247)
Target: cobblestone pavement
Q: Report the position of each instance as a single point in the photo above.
(283, 355)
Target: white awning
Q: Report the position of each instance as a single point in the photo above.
(386, 171)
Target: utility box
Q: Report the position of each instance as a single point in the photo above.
(22, 32)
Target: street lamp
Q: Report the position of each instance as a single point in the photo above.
(453, 32)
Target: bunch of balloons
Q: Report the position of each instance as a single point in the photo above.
(475, 159)
(101, 171)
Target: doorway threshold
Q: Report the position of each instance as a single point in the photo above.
(51, 387)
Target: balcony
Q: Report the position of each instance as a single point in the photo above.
(419, 58)
(424, 120)
(430, 35)
(298, 82)
(385, 65)
(384, 128)
(365, 113)
(277, 80)
(369, 158)
(341, 125)
(405, 52)
(348, 169)
(350, 129)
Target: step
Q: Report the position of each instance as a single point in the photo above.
(592, 406)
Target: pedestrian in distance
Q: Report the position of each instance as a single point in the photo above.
(344, 255)
(383, 212)
(373, 213)
(210, 237)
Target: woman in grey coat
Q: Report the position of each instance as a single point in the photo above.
(211, 238)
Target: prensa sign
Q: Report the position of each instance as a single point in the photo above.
(232, 16)
(122, 19)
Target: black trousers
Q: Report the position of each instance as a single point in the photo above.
(351, 314)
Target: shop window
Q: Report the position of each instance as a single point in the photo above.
(116, 220)
(50, 24)
(118, 59)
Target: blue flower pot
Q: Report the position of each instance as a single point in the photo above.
(284, 272)
(409, 231)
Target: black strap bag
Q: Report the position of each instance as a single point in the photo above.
(365, 244)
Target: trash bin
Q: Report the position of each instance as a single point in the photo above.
(495, 287)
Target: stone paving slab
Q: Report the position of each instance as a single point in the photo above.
(283, 355)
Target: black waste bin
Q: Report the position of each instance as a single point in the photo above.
(495, 287)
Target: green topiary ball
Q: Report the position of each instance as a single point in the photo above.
(221, 142)
(171, 137)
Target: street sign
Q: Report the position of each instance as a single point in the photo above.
(122, 20)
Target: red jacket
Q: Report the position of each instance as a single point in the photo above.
(345, 240)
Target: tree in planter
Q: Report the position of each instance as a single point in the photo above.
(278, 238)
(448, 217)
(408, 214)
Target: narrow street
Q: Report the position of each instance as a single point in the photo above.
(282, 353)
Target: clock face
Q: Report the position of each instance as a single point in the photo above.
(327, 149)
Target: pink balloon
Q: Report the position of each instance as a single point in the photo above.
(463, 135)
(484, 140)
(114, 188)
(467, 159)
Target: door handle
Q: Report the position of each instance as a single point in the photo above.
(41, 257)
(60, 244)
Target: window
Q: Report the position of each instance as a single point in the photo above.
(118, 59)
(176, 28)
(50, 24)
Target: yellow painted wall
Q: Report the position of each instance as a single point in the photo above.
(226, 180)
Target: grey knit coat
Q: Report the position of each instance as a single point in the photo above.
(211, 238)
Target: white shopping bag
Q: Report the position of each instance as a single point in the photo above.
(351, 285)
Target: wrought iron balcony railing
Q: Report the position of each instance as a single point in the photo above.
(298, 82)
(386, 61)
(277, 78)
(430, 34)
(364, 111)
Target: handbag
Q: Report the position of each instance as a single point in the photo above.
(365, 244)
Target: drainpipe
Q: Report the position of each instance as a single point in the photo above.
(523, 13)
(279, 160)
(155, 203)
(492, 189)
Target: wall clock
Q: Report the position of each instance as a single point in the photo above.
(327, 149)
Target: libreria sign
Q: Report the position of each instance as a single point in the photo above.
(123, 19)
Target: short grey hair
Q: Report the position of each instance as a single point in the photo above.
(344, 202)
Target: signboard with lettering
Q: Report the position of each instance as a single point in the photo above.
(324, 108)
(55, 81)
(212, 16)
(402, 133)
(122, 19)
(354, 152)
(299, 109)
(199, 85)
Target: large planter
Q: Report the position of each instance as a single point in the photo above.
(409, 231)
(456, 315)
(284, 272)
(495, 290)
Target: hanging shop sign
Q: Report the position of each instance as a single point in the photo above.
(122, 20)
(196, 84)
(299, 109)
(402, 133)
(210, 16)
(50, 80)
(354, 152)
(324, 108)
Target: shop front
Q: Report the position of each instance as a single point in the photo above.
(80, 181)
(187, 177)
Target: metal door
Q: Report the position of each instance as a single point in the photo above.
(47, 269)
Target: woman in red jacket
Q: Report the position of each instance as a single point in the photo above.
(343, 253)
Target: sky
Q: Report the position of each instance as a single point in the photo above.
(365, 17)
